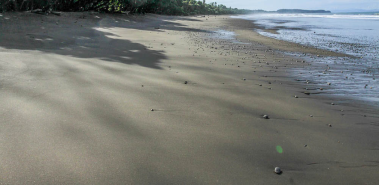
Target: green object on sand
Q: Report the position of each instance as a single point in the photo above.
(279, 149)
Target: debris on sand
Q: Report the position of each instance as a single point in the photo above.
(277, 170)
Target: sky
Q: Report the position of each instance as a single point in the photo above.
(300, 4)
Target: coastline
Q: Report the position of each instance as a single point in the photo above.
(79, 110)
(318, 60)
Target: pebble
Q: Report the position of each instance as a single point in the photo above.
(152, 109)
(185, 82)
(266, 116)
(277, 170)
(330, 125)
(296, 96)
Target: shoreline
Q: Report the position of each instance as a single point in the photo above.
(156, 100)
(245, 30)
(297, 52)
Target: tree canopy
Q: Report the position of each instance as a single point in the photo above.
(168, 7)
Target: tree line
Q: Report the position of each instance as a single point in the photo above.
(168, 7)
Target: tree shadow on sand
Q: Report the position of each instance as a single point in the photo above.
(75, 34)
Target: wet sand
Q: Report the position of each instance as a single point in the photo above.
(109, 99)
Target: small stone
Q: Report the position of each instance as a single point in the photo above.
(332, 103)
(305, 145)
(311, 116)
(277, 170)
(266, 116)
(296, 96)
(152, 109)
(329, 83)
(330, 125)
(185, 82)
(244, 79)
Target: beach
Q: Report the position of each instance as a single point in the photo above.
(89, 98)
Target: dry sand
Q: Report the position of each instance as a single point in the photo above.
(77, 93)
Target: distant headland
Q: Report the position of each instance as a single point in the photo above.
(301, 11)
(292, 11)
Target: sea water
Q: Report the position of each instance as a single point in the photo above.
(355, 34)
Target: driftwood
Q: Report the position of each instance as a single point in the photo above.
(45, 12)
(125, 12)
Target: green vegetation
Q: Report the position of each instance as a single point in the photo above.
(168, 7)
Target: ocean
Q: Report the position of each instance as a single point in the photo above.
(355, 34)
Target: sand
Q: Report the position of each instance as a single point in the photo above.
(77, 93)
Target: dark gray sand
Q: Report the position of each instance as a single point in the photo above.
(77, 96)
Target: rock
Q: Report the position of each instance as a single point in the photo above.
(311, 116)
(185, 82)
(332, 103)
(152, 109)
(266, 116)
(296, 96)
(305, 145)
(277, 170)
(330, 125)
